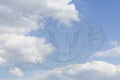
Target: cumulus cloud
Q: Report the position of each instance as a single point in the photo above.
(16, 72)
(13, 22)
(96, 70)
(112, 52)
(23, 49)
(19, 17)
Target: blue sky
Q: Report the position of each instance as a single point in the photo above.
(53, 40)
(102, 13)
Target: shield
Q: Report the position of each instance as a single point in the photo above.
(72, 42)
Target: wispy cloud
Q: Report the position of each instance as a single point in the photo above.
(111, 52)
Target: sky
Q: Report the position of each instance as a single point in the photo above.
(59, 40)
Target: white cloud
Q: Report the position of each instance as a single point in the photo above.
(2, 61)
(23, 49)
(18, 18)
(16, 72)
(22, 16)
(13, 22)
(96, 70)
(112, 52)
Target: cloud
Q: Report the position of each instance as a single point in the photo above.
(12, 21)
(16, 72)
(114, 43)
(96, 70)
(112, 52)
(23, 49)
(2, 61)
(19, 17)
